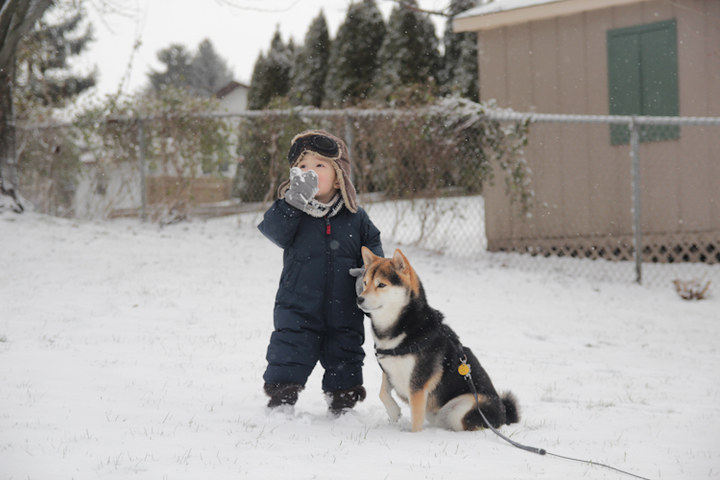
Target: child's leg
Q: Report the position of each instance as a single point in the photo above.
(291, 356)
(342, 357)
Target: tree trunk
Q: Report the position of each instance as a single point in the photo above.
(8, 154)
(16, 18)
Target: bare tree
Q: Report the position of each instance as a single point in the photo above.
(17, 17)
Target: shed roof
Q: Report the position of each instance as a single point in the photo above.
(229, 88)
(501, 13)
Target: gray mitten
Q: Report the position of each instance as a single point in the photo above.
(303, 188)
(359, 273)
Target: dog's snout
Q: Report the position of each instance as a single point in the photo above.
(360, 300)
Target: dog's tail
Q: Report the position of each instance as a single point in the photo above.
(512, 411)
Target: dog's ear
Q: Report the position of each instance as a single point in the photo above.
(401, 262)
(368, 256)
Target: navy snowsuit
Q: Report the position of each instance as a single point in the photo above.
(316, 316)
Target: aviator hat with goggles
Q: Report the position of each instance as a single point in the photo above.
(329, 148)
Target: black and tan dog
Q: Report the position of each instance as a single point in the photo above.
(419, 354)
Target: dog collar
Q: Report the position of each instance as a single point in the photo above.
(405, 349)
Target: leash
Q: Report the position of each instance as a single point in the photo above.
(464, 370)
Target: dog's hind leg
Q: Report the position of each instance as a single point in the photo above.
(391, 406)
(453, 414)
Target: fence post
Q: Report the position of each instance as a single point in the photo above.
(349, 138)
(141, 160)
(637, 234)
(349, 134)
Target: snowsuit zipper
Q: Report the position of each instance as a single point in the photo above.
(328, 269)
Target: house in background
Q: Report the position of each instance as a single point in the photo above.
(112, 189)
(206, 195)
(600, 57)
(232, 97)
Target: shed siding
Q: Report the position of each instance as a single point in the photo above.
(582, 183)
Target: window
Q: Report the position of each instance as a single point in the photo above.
(643, 78)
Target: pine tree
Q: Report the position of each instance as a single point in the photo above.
(258, 96)
(311, 65)
(354, 55)
(459, 74)
(209, 71)
(271, 74)
(202, 73)
(43, 72)
(178, 68)
(409, 53)
(279, 66)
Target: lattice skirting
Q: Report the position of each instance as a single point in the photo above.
(700, 247)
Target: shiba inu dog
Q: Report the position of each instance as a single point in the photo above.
(419, 354)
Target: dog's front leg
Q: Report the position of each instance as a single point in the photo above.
(418, 403)
(391, 406)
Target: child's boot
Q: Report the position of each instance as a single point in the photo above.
(282, 393)
(343, 400)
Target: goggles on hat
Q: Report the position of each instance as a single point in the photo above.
(325, 146)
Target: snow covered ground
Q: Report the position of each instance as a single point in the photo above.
(133, 351)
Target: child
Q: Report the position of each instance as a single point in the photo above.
(319, 226)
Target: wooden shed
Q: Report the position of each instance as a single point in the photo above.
(600, 57)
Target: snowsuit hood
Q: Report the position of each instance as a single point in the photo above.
(341, 164)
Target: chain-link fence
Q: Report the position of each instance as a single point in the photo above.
(574, 194)
(619, 197)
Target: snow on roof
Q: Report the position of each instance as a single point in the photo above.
(502, 6)
(508, 12)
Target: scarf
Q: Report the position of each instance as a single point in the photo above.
(318, 209)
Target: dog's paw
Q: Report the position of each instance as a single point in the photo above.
(393, 411)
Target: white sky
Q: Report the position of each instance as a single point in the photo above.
(238, 35)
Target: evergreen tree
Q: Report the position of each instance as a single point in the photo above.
(409, 53)
(354, 55)
(43, 72)
(209, 71)
(279, 66)
(203, 73)
(271, 74)
(459, 74)
(311, 65)
(178, 68)
(258, 94)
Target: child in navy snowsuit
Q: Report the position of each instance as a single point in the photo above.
(319, 226)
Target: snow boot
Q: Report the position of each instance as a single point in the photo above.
(343, 400)
(282, 393)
